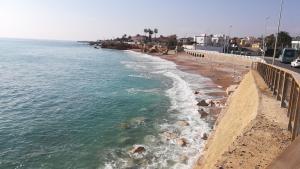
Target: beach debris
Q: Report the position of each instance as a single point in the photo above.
(137, 149)
(182, 142)
(202, 113)
(182, 123)
(231, 89)
(204, 136)
(202, 103)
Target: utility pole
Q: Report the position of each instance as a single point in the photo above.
(264, 38)
(278, 29)
(229, 38)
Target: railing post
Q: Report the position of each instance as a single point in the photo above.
(271, 79)
(291, 105)
(296, 118)
(284, 89)
(279, 85)
(275, 81)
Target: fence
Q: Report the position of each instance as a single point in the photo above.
(286, 89)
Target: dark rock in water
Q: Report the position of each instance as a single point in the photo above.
(202, 103)
(182, 142)
(205, 136)
(137, 149)
(203, 113)
(196, 92)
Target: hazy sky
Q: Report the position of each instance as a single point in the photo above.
(98, 19)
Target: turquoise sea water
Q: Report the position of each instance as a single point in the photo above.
(67, 105)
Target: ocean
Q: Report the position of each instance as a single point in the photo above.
(67, 105)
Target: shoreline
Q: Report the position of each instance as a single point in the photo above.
(187, 125)
(222, 74)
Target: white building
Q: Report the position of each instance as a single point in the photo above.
(296, 43)
(218, 40)
(203, 40)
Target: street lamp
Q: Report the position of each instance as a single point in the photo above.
(264, 38)
(278, 29)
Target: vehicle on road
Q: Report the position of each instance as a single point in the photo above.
(296, 63)
(288, 55)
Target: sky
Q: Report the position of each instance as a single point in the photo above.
(103, 19)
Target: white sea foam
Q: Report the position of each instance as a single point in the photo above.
(183, 107)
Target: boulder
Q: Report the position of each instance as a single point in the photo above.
(205, 136)
(210, 102)
(182, 142)
(202, 103)
(182, 123)
(231, 89)
(137, 149)
(203, 113)
(154, 49)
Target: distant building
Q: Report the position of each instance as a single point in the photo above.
(186, 41)
(138, 39)
(296, 43)
(250, 42)
(256, 45)
(203, 40)
(218, 40)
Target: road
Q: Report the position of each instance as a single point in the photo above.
(284, 65)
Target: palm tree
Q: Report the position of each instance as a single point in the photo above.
(155, 32)
(150, 34)
(145, 31)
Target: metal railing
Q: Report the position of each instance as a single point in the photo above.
(286, 89)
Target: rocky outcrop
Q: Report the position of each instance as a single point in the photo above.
(202, 103)
(205, 136)
(202, 113)
(137, 149)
